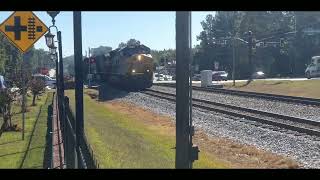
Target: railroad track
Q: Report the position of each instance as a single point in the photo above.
(297, 124)
(291, 99)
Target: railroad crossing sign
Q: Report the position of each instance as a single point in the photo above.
(23, 29)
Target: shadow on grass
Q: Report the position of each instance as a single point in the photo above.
(12, 153)
(32, 133)
(9, 154)
(47, 155)
(249, 81)
(107, 92)
(9, 142)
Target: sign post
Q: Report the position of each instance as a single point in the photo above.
(23, 96)
(23, 29)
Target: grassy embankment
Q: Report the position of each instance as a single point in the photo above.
(27, 153)
(310, 88)
(121, 140)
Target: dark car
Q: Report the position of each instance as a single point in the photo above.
(219, 76)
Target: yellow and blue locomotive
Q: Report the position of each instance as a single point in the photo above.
(130, 67)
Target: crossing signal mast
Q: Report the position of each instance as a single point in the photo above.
(252, 44)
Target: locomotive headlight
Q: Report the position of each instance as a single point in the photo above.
(139, 58)
(148, 70)
(133, 70)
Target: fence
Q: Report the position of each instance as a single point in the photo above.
(48, 161)
(78, 153)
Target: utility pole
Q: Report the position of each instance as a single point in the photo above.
(77, 30)
(186, 153)
(233, 49)
(233, 61)
(250, 44)
(89, 84)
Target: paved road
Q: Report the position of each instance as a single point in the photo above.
(269, 79)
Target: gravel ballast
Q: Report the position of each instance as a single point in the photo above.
(303, 148)
(285, 108)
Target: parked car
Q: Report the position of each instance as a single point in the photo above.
(219, 76)
(159, 77)
(258, 75)
(50, 82)
(196, 77)
(167, 77)
(313, 69)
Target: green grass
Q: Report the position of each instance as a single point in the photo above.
(119, 141)
(13, 149)
(310, 88)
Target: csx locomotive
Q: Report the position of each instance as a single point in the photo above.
(130, 67)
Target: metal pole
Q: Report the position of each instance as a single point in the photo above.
(233, 62)
(61, 64)
(78, 77)
(23, 96)
(250, 55)
(191, 129)
(183, 51)
(89, 69)
(62, 104)
(57, 76)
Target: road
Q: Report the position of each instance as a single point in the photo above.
(230, 81)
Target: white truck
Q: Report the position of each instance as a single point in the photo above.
(313, 69)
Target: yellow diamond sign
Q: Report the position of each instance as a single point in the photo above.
(24, 29)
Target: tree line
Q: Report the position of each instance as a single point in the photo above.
(289, 60)
(17, 70)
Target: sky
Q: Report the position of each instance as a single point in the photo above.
(155, 29)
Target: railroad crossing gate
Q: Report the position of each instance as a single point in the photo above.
(23, 29)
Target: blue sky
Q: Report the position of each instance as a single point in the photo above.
(154, 29)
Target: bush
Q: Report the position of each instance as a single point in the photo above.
(70, 84)
(37, 86)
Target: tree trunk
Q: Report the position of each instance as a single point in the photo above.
(5, 120)
(34, 100)
(9, 115)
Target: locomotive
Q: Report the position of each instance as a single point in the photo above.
(129, 67)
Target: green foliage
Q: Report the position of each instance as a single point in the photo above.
(289, 60)
(163, 56)
(16, 153)
(130, 42)
(37, 87)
